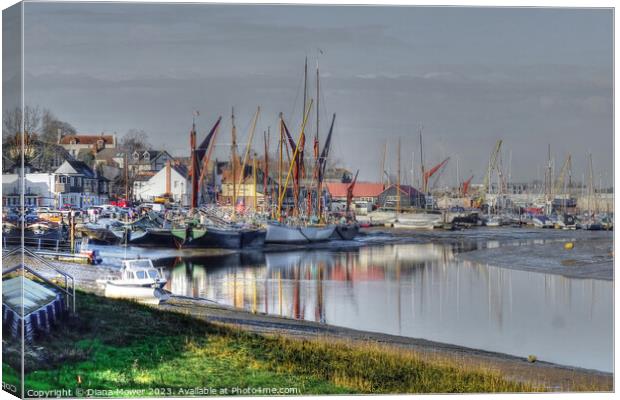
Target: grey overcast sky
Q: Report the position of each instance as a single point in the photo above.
(470, 76)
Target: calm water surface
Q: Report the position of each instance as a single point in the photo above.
(416, 290)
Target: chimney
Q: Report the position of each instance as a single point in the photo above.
(59, 134)
(168, 177)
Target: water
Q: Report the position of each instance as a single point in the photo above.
(416, 290)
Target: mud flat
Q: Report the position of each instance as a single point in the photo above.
(590, 258)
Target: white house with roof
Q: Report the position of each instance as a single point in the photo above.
(173, 180)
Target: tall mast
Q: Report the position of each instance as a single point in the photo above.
(422, 160)
(383, 164)
(316, 149)
(303, 112)
(194, 165)
(398, 182)
(233, 160)
(280, 163)
(266, 171)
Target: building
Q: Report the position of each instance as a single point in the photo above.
(173, 181)
(93, 143)
(363, 192)
(77, 185)
(39, 190)
(147, 160)
(409, 197)
(73, 183)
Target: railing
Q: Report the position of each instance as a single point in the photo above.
(38, 244)
(43, 270)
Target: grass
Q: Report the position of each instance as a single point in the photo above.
(117, 344)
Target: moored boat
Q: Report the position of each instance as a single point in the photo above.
(139, 281)
(298, 234)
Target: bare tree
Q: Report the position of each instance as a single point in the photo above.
(12, 120)
(135, 140)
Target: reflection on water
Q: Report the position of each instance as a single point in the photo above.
(416, 290)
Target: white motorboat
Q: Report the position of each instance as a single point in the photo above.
(292, 234)
(139, 281)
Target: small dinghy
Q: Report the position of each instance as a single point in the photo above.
(139, 281)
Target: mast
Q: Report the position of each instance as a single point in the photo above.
(194, 165)
(233, 160)
(254, 183)
(266, 171)
(398, 182)
(280, 163)
(422, 159)
(383, 164)
(247, 152)
(316, 177)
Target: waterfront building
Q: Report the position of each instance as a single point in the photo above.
(363, 192)
(73, 183)
(409, 197)
(170, 181)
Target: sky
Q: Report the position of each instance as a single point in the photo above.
(468, 76)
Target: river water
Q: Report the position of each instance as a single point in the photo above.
(416, 290)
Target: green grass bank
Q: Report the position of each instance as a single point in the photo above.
(120, 348)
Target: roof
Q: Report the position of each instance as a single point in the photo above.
(361, 189)
(87, 139)
(406, 189)
(75, 167)
(33, 296)
(181, 169)
(109, 153)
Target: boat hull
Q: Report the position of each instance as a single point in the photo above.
(283, 234)
(153, 237)
(209, 238)
(345, 232)
(142, 294)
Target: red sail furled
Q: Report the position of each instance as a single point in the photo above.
(201, 150)
(299, 170)
(325, 152)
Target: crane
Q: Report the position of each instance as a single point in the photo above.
(559, 182)
(493, 164)
(465, 186)
(427, 174)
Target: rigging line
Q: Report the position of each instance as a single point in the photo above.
(292, 117)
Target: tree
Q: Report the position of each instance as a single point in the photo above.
(135, 140)
(12, 121)
(52, 126)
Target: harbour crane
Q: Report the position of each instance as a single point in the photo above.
(559, 182)
(427, 174)
(465, 186)
(493, 164)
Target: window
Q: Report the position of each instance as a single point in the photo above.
(72, 181)
(147, 156)
(79, 181)
(141, 274)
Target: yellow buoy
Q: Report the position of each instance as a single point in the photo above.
(569, 245)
